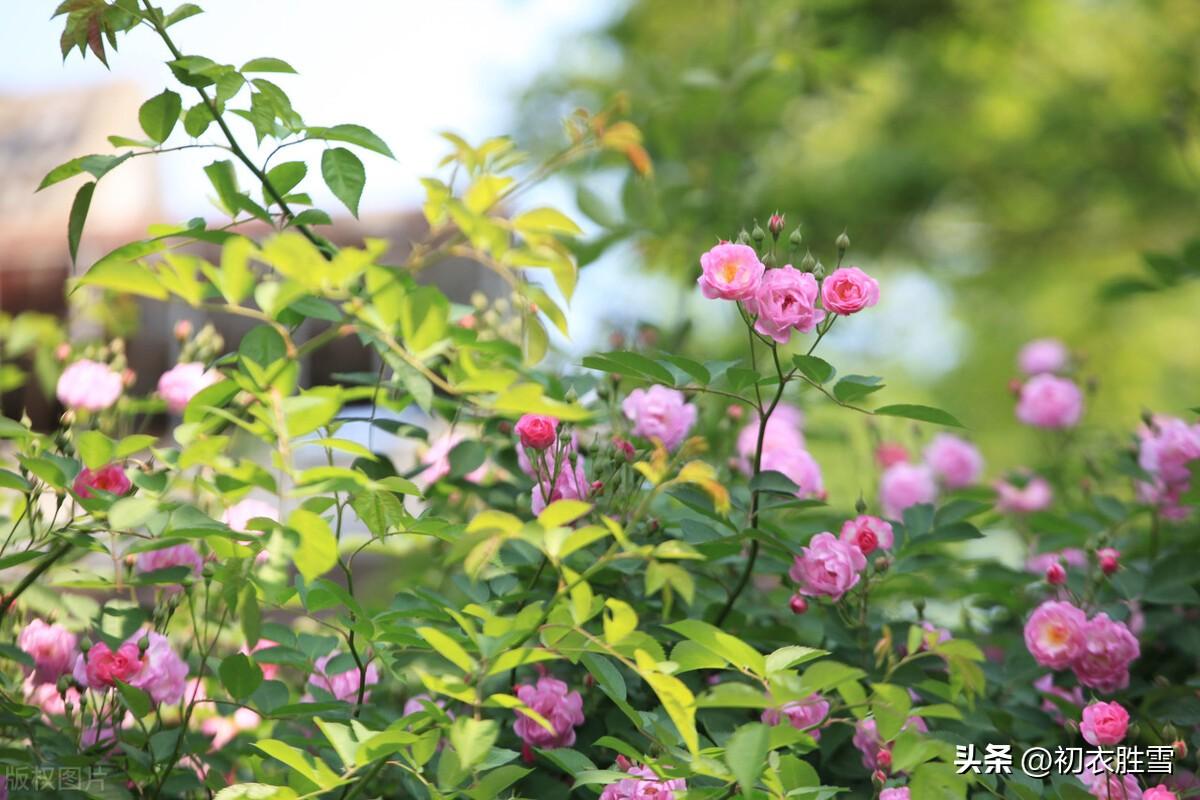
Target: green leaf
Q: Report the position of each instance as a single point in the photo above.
(493, 783)
(267, 65)
(224, 180)
(620, 620)
(136, 700)
(545, 220)
(352, 134)
(307, 766)
(449, 649)
(725, 645)
(856, 387)
(317, 553)
(130, 512)
(94, 448)
(344, 175)
(746, 754)
(255, 791)
(921, 413)
(159, 114)
(125, 276)
(284, 177)
(563, 512)
(473, 738)
(240, 676)
(197, 119)
(813, 368)
(890, 704)
(634, 364)
(79, 212)
(676, 698)
(62, 172)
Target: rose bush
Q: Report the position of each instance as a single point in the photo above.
(627, 580)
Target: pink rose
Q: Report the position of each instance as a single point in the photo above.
(956, 461)
(1107, 650)
(828, 566)
(88, 385)
(645, 785)
(660, 413)
(895, 793)
(437, 461)
(238, 515)
(1072, 556)
(1043, 355)
(102, 666)
(163, 674)
(180, 555)
(784, 432)
(417, 703)
(1160, 792)
(1167, 446)
(849, 290)
(800, 468)
(889, 453)
(223, 730)
(1034, 494)
(730, 272)
(569, 483)
(562, 708)
(1054, 634)
(52, 648)
(46, 697)
(1110, 786)
(269, 671)
(342, 685)
(182, 382)
(904, 485)
(110, 478)
(1048, 401)
(1045, 685)
(802, 715)
(1104, 723)
(537, 431)
(785, 300)
(868, 533)
(866, 739)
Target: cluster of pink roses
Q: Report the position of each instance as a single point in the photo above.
(644, 785)
(949, 461)
(557, 704)
(830, 566)
(144, 660)
(1167, 446)
(1099, 651)
(1046, 399)
(87, 385)
(556, 466)
(783, 451)
(783, 299)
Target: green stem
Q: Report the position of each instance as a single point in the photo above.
(35, 573)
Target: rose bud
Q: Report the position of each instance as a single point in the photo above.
(1055, 574)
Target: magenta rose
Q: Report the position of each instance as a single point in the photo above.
(562, 708)
(1160, 792)
(895, 793)
(785, 301)
(904, 485)
(828, 567)
(730, 272)
(644, 785)
(1054, 634)
(1104, 723)
(537, 431)
(868, 533)
(102, 666)
(1043, 355)
(52, 648)
(110, 478)
(342, 685)
(956, 461)
(1035, 494)
(570, 483)
(1048, 401)
(88, 385)
(660, 413)
(849, 290)
(1105, 785)
(1107, 650)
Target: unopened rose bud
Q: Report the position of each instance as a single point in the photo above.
(1072, 726)
(1014, 387)
(128, 377)
(143, 645)
(808, 262)
(597, 487)
(183, 330)
(505, 427)
(735, 412)
(861, 505)
(589, 681)
(130, 560)
(85, 644)
(879, 776)
(743, 237)
(1181, 748)
(63, 684)
(648, 336)
(775, 225)
(884, 758)
(818, 270)
(795, 239)
(1056, 575)
(1109, 559)
(616, 340)
(843, 243)
(882, 564)
(63, 351)
(757, 234)
(469, 322)
(207, 572)
(798, 604)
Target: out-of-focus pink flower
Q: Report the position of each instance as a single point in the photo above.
(88, 385)
(1043, 355)
(1035, 494)
(889, 453)
(1110, 786)
(1045, 685)
(224, 729)
(660, 413)
(786, 300)
(110, 478)
(1109, 559)
(955, 460)
(806, 714)
(269, 671)
(1160, 792)
(537, 431)
(180, 555)
(1073, 556)
(343, 685)
(1166, 449)
(52, 648)
(730, 272)
(800, 468)
(570, 483)
(645, 785)
(1104, 723)
(1048, 401)
(868, 533)
(866, 739)
(783, 433)
(238, 515)
(418, 702)
(1107, 651)
(828, 567)
(904, 485)
(562, 708)
(182, 382)
(895, 793)
(47, 697)
(437, 461)
(103, 665)
(1054, 634)
(849, 290)
(163, 674)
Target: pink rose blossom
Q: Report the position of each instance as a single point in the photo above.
(1043, 355)
(570, 483)
(1035, 494)
(904, 485)
(889, 453)
(46, 697)
(784, 432)
(562, 708)
(224, 729)
(1167, 446)
(102, 666)
(1072, 556)
(895, 793)
(1048, 401)
(849, 290)
(1107, 651)
(645, 785)
(269, 671)
(437, 461)
(660, 413)
(417, 703)
(239, 515)
(785, 301)
(730, 272)
(88, 385)
(828, 566)
(800, 468)
(163, 674)
(868, 533)
(1045, 685)
(1104, 723)
(537, 431)
(182, 382)
(180, 555)
(956, 461)
(866, 739)
(1110, 786)
(52, 648)
(343, 685)
(110, 478)
(1054, 634)
(1160, 792)
(802, 715)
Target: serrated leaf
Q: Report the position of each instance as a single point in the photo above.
(345, 176)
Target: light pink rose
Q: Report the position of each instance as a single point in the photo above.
(1045, 685)
(806, 714)
(1035, 494)
(828, 567)
(537, 431)
(1166, 449)
(437, 461)
(570, 483)
(956, 461)
(644, 785)
(785, 301)
(1104, 723)
(163, 674)
(110, 478)
(784, 432)
(1107, 651)
(730, 272)
(849, 290)
(46, 697)
(1054, 634)
(562, 708)
(895, 793)
(904, 485)
(238, 515)
(1110, 786)
(1048, 401)
(660, 413)
(88, 385)
(52, 648)
(103, 665)
(1072, 556)
(224, 729)
(180, 555)
(800, 468)
(1043, 355)
(868, 533)
(1160, 792)
(342, 685)
(182, 382)
(866, 739)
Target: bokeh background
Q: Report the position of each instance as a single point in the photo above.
(994, 164)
